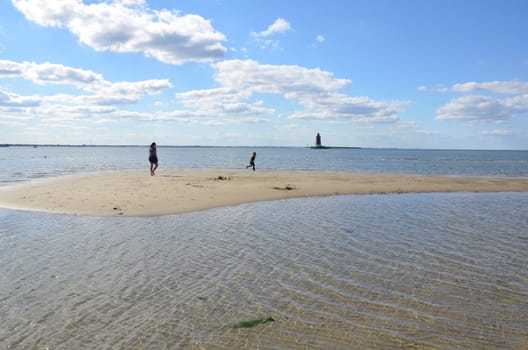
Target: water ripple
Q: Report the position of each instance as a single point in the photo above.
(443, 271)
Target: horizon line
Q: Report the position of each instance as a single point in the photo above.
(246, 146)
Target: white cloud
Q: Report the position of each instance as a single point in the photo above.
(48, 73)
(98, 100)
(512, 87)
(347, 108)
(279, 26)
(222, 102)
(129, 26)
(423, 88)
(131, 2)
(137, 88)
(319, 39)
(487, 107)
(11, 122)
(8, 99)
(249, 74)
(58, 74)
(478, 108)
(240, 97)
(247, 120)
(498, 132)
(412, 128)
(10, 69)
(316, 91)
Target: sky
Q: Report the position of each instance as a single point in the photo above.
(434, 74)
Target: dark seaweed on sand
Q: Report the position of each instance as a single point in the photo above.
(252, 323)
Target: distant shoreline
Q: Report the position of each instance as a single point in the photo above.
(331, 147)
(136, 193)
(36, 145)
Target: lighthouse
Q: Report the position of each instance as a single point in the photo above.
(318, 140)
(318, 144)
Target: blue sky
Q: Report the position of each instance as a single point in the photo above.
(409, 74)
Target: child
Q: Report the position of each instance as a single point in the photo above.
(252, 161)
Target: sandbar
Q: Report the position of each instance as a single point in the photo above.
(136, 193)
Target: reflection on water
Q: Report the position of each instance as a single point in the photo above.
(443, 271)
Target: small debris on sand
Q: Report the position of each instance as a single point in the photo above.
(192, 185)
(285, 188)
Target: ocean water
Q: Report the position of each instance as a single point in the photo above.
(420, 271)
(27, 163)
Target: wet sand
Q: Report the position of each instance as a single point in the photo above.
(136, 193)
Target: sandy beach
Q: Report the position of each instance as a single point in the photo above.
(136, 193)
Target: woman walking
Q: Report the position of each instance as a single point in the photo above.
(153, 159)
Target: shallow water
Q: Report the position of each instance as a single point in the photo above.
(19, 164)
(420, 271)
